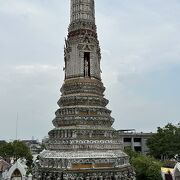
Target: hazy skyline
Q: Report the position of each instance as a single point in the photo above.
(140, 64)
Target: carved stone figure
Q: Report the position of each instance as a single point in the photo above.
(86, 67)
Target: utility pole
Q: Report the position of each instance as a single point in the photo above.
(17, 118)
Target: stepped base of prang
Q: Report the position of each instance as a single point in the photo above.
(84, 165)
(123, 173)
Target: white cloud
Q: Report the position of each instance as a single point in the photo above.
(38, 68)
(141, 37)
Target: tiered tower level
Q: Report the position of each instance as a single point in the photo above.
(83, 144)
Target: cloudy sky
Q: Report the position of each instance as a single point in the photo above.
(140, 44)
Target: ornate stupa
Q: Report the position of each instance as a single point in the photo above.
(83, 144)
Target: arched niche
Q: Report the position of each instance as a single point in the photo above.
(16, 175)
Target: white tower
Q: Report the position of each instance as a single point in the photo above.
(82, 52)
(83, 144)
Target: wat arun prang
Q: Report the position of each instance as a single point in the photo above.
(83, 145)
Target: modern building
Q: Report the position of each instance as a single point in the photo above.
(34, 146)
(83, 144)
(134, 140)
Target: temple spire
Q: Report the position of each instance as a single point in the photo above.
(83, 144)
(82, 51)
(82, 10)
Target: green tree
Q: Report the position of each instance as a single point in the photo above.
(146, 167)
(16, 150)
(6, 150)
(2, 143)
(21, 150)
(165, 144)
